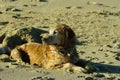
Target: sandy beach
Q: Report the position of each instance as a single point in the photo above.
(95, 22)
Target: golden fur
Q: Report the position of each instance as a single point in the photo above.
(64, 37)
(47, 56)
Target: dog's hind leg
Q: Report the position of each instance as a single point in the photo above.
(15, 54)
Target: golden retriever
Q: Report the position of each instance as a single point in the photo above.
(47, 56)
(64, 37)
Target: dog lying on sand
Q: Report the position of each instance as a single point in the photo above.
(57, 51)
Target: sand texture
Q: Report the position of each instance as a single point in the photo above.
(95, 22)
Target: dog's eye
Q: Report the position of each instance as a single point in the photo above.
(55, 32)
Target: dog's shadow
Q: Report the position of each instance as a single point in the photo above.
(98, 67)
(105, 68)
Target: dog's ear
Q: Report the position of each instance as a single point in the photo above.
(69, 33)
(70, 37)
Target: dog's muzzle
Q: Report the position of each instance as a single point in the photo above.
(47, 40)
(44, 40)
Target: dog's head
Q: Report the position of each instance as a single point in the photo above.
(60, 35)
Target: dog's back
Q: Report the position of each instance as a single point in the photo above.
(47, 56)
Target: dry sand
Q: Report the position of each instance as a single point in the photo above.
(95, 22)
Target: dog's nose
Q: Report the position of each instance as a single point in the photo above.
(44, 39)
